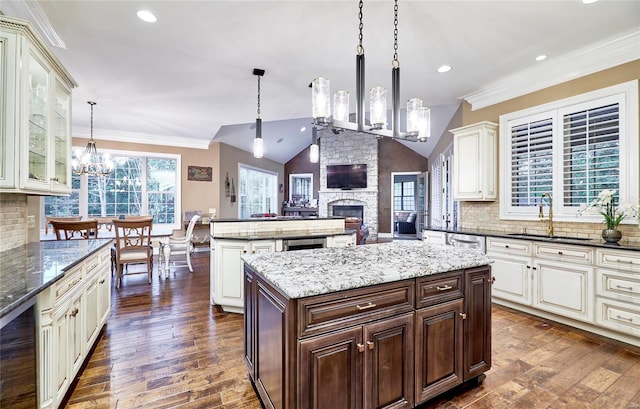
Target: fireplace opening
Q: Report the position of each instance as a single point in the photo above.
(348, 211)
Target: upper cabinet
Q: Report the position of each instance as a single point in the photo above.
(35, 133)
(475, 159)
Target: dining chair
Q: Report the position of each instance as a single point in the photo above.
(75, 230)
(133, 245)
(113, 248)
(175, 245)
(59, 219)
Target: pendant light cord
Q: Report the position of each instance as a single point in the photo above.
(258, 96)
(360, 48)
(92, 103)
(395, 62)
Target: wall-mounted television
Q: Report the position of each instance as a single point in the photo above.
(347, 176)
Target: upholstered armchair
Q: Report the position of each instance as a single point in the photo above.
(408, 226)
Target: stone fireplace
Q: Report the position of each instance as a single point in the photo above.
(344, 149)
(347, 211)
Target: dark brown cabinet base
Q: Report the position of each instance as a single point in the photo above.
(393, 345)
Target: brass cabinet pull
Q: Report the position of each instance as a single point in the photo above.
(620, 317)
(492, 280)
(443, 287)
(625, 261)
(244, 251)
(74, 312)
(463, 315)
(360, 347)
(253, 251)
(506, 246)
(560, 253)
(101, 281)
(370, 344)
(365, 307)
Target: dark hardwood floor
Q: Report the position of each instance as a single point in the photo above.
(165, 346)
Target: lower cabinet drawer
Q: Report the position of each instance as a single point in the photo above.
(619, 316)
(619, 285)
(439, 289)
(71, 279)
(339, 310)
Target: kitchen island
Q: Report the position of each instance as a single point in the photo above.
(375, 326)
(233, 238)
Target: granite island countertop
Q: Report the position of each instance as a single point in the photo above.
(27, 270)
(305, 273)
(271, 235)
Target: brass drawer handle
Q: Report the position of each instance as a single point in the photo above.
(492, 280)
(443, 287)
(625, 261)
(463, 315)
(360, 347)
(560, 253)
(506, 246)
(366, 307)
(622, 287)
(620, 317)
(370, 344)
(74, 312)
(101, 281)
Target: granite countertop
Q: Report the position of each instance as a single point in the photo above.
(595, 242)
(277, 218)
(305, 273)
(27, 270)
(289, 235)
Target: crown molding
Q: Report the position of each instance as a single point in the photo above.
(142, 138)
(596, 57)
(32, 12)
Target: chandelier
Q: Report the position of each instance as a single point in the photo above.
(258, 143)
(418, 117)
(89, 162)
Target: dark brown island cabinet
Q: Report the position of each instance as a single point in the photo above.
(392, 345)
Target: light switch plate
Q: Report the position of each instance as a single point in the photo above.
(31, 222)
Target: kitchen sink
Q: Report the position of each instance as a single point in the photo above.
(546, 237)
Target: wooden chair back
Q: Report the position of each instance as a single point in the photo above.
(68, 230)
(133, 244)
(59, 219)
(137, 218)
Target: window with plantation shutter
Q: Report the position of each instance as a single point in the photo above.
(573, 148)
(590, 153)
(531, 161)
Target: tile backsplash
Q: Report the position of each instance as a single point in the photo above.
(486, 216)
(13, 220)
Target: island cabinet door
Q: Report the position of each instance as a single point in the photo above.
(249, 314)
(331, 371)
(477, 322)
(389, 363)
(439, 349)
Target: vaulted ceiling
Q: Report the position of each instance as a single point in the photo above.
(187, 79)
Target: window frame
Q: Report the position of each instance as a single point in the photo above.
(274, 192)
(83, 208)
(301, 176)
(626, 94)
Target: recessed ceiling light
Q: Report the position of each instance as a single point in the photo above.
(304, 128)
(444, 68)
(541, 57)
(279, 140)
(147, 16)
(588, 1)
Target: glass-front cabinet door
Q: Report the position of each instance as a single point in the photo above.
(38, 122)
(61, 135)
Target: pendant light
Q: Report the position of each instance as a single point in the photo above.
(314, 149)
(258, 143)
(418, 118)
(89, 162)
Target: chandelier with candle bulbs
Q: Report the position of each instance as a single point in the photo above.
(89, 162)
(418, 116)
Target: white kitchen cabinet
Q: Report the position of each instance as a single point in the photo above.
(70, 317)
(475, 160)
(511, 269)
(618, 290)
(342, 240)
(434, 237)
(36, 108)
(227, 270)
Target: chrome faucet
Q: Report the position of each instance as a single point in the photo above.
(541, 213)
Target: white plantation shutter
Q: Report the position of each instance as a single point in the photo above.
(436, 193)
(531, 161)
(573, 148)
(591, 153)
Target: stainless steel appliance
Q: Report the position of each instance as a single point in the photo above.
(466, 240)
(304, 243)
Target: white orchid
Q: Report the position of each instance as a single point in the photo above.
(605, 205)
